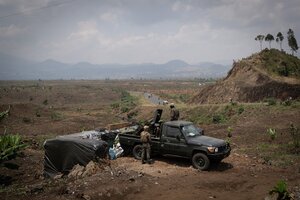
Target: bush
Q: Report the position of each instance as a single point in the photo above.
(241, 110)
(126, 103)
(281, 190)
(271, 101)
(218, 118)
(4, 114)
(287, 102)
(10, 145)
(272, 133)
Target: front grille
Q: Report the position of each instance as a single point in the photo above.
(222, 148)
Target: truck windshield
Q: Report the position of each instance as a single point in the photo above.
(190, 130)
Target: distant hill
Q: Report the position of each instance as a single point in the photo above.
(12, 68)
(270, 73)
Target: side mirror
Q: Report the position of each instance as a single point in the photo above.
(178, 137)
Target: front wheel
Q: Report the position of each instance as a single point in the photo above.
(200, 161)
(137, 152)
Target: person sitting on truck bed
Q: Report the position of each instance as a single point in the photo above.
(146, 140)
(174, 113)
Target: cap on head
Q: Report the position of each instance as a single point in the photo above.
(146, 127)
(172, 105)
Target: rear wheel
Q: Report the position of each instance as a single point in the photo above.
(200, 161)
(137, 152)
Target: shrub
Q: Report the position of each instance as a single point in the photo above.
(241, 110)
(272, 133)
(229, 131)
(270, 101)
(10, 145)
(281, 190)
(287, 102)
(126, 103)
(4, 114)
(218, 118)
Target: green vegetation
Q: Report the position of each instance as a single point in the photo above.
(281, 64)
(270, 101)
(269, 38)
(227, 113)
(292, 41)
(272, 133)
(281, 190)
(279, 39)
(260, 38)
(218, 114)
(127, 102)
(4, 114)
(178, 98)
(10, 145)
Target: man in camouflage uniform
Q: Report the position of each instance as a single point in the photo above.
(174, 113)
(146, 140)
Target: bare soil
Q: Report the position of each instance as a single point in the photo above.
(250, 172)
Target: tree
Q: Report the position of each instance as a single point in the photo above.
(269, 38)
(292, 41)
(260, 38)
(279, 39)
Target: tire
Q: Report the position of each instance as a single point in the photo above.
(200, 161)
(127, 150)
(137, 152)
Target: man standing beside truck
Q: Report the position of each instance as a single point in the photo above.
(174, 113)
(146, 140)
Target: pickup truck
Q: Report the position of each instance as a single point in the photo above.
(179, 139)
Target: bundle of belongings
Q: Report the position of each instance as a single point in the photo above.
(64, 152)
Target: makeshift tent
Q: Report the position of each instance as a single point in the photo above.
(63, 152)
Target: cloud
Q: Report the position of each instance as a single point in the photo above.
(86, 31)
(110, 17)
(181, 6)
(24, 5)
(144, 31)
(10, 31)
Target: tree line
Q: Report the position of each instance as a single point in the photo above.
(292, 42)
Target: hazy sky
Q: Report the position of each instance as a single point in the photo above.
(138, 31)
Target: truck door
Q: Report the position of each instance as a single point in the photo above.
(173, 142)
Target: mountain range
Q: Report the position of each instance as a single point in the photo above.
(14, 68)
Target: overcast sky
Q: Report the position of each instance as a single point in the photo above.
(139, 31)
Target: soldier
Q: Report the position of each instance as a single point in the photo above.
(146, 140)
(174, 113)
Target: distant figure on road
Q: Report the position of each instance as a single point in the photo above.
(146, 140)
(174, 113)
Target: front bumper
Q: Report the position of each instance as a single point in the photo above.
(219, 155)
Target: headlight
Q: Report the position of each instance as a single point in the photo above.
(213, 149)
